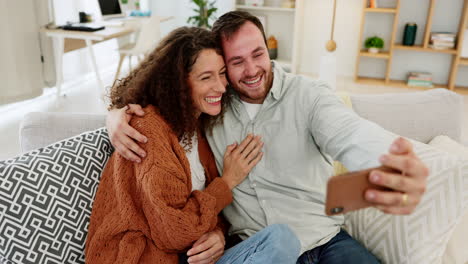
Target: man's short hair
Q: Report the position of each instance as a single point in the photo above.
(229, 23)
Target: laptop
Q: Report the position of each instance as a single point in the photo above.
(111, 9)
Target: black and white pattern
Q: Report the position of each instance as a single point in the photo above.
(46, 198)
(422, 236)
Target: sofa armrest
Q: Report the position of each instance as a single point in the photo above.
(417, 115)
(39, 129)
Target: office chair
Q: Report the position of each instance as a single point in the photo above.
(146, 41)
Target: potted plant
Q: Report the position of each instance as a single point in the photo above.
(374, 44)
(204, 11)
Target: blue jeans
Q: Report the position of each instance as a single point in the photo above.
(274, 244)
(340, 249)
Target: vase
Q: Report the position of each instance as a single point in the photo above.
(410, 34)
(374, 50)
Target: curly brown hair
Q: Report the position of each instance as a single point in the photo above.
(161, 80)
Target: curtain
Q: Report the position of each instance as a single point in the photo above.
(21, 68)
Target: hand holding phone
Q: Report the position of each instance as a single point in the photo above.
(345, 192)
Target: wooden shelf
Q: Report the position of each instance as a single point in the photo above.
(422, 49)
(265, 8)
(380, 55)
(370, 81)
(461, 90)
(403, 84)
(381, 10)
(464, 61)
(395, 83)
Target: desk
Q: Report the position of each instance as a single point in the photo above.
(68, 40)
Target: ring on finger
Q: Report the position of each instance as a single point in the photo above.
(404, 199)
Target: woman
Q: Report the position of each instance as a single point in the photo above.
(167, 207)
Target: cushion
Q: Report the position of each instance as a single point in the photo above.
(449, 145)
(39, 129)
(456, 252)
(46, 199)
(422, 236)
(414, 114)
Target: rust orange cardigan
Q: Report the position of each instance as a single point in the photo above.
(147, 213)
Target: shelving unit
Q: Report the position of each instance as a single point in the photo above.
(265, 8)
(456, 60)
(279, 22)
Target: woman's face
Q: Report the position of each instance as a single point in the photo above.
(208, 82)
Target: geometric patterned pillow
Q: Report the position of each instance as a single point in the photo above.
(46, 198)
(422, 236)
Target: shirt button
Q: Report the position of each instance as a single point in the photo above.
(254, 185)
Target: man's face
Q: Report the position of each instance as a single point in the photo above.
(248, 63)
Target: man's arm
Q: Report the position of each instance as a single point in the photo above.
(359, 144)
(122, 135)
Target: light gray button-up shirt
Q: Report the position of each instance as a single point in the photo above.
(304, 127)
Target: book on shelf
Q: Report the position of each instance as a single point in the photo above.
(438, 47)
(420, 84)
(420, 74)
(422, 79)
(444, 34)
(442, 40)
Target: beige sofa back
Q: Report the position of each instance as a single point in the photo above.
(417, 115)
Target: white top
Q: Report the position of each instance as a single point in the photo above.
(196, 168)
(252, 109)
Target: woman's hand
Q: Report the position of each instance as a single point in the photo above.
(240, 159)
(208, 248)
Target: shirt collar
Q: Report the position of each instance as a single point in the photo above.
(278, 78)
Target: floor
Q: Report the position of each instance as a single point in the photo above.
(79, 91)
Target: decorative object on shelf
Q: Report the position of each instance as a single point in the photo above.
(420, 79)
(442, 40)
(124, 2)
(204, 10)
(372, 3)
(374, 44)
(409, 35)
(327, 70)
(331, 44)
(139, 13)
(254, 2)
(85, 18)
(272, 47)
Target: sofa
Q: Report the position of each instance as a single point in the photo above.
(420, 116)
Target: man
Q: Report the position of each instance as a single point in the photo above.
(304, 127)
